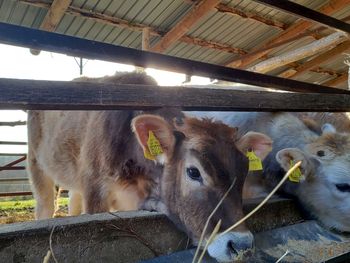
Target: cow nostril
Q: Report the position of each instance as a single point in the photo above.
(231, 247)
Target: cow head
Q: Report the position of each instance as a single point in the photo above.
(200, 160)
(325, 188)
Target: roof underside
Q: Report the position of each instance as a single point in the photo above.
(216, 26)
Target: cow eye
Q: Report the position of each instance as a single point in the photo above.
(194, 174)
(320, 153)
(343, 187)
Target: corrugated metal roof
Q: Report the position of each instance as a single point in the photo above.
(226, 29)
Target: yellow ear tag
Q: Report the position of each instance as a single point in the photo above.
(296, 175)
(255, 163)
(154, 147)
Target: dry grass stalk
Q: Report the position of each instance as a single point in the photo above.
(50, 243)
(130, 232)
(283, 256)
(208, 220)
(291, 170)
(210, 239)
(47, 257)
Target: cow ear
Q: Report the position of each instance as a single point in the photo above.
(328, 128)
(286, 156)
(155, 136)
(260, 143)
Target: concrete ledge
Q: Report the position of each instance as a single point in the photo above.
(130, 237)
(122, 237)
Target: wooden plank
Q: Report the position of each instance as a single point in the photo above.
(199, 10)
(223, 8)
(307, 13)
(327, 56)
(145, 38)
(55, 14)
(336, 81)
(300, 26)
(59, 95)
(31, 38)
(305, 51)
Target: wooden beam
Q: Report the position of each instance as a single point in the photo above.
(199, 10)
(53, 17)
(78, 47)
(336, 81)
(250, 15)
(121, 23)
(145, 38)
(307, 13)
(37, 94)
(295, 29)
(300, 53)
(55, 14)
(327, 56)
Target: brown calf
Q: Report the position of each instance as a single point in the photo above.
(100, 158)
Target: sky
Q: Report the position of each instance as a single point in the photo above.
(17, 62)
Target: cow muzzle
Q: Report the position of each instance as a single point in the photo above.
(231, 246)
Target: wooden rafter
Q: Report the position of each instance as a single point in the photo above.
(327, 56)
(145, 38)
(53, 17)
(117, 22)
(250, 15)
(55, 14)
(198, 11)
(300, 53)
(300, 26)
(336, 81)
(307, 13)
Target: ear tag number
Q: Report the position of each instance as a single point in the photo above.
(296, 175)
(154, 147)
(255, 163)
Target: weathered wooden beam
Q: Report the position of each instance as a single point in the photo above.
(336, 81)
(327, 56)
(295, 29)
(198, 11)
(300, 53)
(250, 15)
(59, 95)
(145, 38)
(55, 14)
(53, 17)
(307, 13)
(117, 22)
(32, 38)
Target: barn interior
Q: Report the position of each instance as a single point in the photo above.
(295, 51)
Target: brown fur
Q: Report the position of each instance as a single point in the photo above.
(98, 158)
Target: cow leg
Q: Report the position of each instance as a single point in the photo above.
(75, 203)
(95, 198)
(43, 190)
